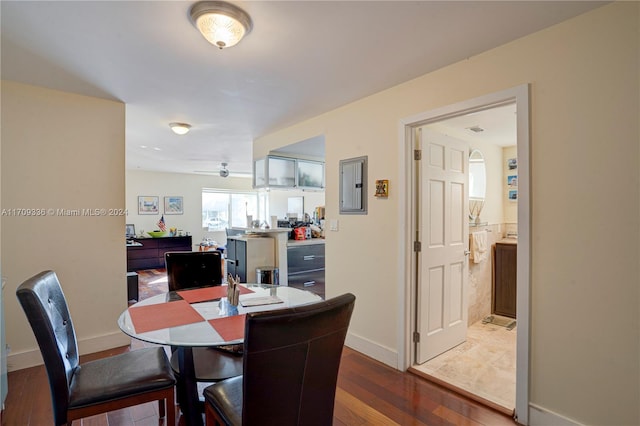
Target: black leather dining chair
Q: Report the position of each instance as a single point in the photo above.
(80, 390)
(291, 361)
(189, 270)
(193, 269)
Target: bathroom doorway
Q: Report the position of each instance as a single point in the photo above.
(481, 361)
(463, 373)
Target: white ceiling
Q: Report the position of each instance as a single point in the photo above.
(302, 58)
(495, 126)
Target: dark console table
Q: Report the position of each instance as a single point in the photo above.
(150, 255)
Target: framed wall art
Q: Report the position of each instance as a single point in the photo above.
(382, 188)
(173, 205)
(148, 204)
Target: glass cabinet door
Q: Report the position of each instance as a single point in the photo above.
(310, 174)
(260, 173)
(281, 171)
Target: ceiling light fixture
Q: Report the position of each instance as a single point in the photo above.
(222, 24)
(180, 128)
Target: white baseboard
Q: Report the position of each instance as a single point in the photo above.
(31, 358)
(372, 349)
(539, 416)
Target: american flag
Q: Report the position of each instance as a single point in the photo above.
(161, 224)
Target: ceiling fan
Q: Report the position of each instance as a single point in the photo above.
(224, 172)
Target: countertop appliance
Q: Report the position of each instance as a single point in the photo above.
(296, 224)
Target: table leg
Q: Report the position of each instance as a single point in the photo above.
(190, 403)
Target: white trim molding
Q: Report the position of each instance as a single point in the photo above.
(32, 358)
(539, 416)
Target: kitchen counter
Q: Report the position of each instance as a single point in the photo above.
(261, 230)
(295, 243)
(281, 236)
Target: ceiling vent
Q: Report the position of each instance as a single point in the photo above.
(476, 129)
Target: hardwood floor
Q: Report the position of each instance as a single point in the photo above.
(368, 393)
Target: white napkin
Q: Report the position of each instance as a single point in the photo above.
(261, 300)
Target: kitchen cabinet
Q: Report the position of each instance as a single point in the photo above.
(245, 254)
(284, 172)
(305, 266)
(505, 255)
(260, 173)
(275, 172)
(310, 174)
(150, 255)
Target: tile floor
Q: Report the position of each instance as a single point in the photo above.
(484, 365)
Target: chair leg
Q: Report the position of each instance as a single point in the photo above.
(167, 408)
(170, 418)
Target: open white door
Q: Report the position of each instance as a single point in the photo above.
(443, 229)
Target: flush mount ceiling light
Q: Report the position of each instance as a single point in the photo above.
(221, 23)
(180, 128)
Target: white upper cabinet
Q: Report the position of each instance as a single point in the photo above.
(260, 173)
(310, 174)
(281, 171)
(285, 172)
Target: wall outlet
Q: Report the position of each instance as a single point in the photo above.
(333, 225)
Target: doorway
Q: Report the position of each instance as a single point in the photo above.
(413, 261)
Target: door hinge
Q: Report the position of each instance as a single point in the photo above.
(416, 337)
(417, 154)
(417, 246)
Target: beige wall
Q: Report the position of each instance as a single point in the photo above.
(189, 186)
(63, 151)
(584, 80)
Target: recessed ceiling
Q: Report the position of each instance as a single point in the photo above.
(301, 59)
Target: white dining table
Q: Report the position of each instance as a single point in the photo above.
(149, 324)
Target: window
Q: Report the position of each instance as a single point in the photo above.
(225, 209)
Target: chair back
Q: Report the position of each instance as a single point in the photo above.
(291, 361)
(46, 309)
(193, 269)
